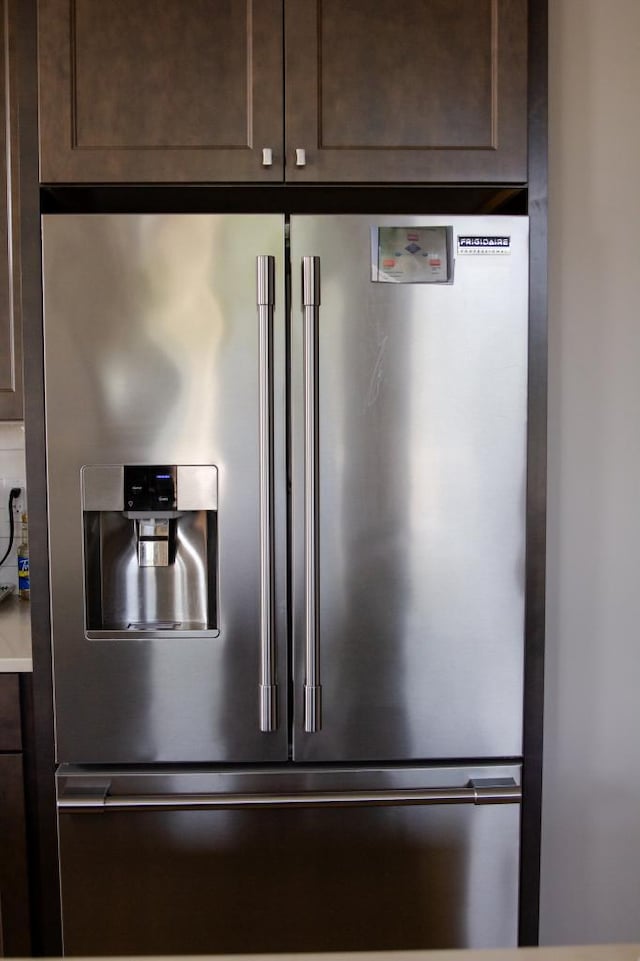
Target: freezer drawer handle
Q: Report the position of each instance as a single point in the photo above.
(265, 303)
(506, 793)
(311, 306)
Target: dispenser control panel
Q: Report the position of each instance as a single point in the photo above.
(150, 488)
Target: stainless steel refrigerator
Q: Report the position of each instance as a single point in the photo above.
(286, 480)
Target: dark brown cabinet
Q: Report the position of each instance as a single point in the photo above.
(10, 314)
(433, 90)
(14, 903)
(160, 90)
(206, 91)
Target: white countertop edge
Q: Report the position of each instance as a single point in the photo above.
(590, 952)
(16, 665)
(15, 636)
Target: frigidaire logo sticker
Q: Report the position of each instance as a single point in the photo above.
(484, 244)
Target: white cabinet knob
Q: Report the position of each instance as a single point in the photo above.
(301, 159)
(267, 157)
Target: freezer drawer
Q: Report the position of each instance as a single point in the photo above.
(316, 861)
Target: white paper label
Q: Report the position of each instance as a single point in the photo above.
(411, 255)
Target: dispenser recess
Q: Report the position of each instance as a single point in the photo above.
(150, 550)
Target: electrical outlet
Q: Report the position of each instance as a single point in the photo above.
(19, 503)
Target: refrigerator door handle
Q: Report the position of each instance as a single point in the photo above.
(265, 303)
(311, 306)
(84, 803)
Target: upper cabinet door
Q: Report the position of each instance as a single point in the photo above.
(433, 90)
(160, 90)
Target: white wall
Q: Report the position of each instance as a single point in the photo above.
(591, 799)
(12, 474)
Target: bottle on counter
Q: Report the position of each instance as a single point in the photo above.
(23, 561)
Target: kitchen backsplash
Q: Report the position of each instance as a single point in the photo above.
(12, 474)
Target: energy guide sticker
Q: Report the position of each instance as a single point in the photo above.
(484, 244)
(411, 255)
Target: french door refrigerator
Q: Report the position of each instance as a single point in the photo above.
(286, 481)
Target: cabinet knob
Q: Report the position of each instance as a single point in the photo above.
(301, 158)
(267, 157)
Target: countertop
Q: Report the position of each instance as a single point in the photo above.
(15, 636)
(592, 952)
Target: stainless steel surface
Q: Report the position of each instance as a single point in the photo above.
(153, 553)
(301, 157)
(204, 802)
(407, 443)
(267, 157)
(421, 497)
(153, 527)
(124, 596)
(197, 487)
(151, 355)
(279, 779)
(381, 876)
(120, 599)
(102, 488)
(311, 306)
(265, 283)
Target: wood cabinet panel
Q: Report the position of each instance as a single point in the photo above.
(160, 90)
(429, 91)
(165, 91)
(10, 731)
(10, 312)
(14, 903)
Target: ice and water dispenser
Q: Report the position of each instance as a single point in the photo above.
(150, 550)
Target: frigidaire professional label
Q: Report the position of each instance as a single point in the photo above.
(484, 244)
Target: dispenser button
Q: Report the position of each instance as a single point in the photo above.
(136, 488)
(150, 488)
(163, 488)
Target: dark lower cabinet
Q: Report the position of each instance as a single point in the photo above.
(213, 90)
(14, 900)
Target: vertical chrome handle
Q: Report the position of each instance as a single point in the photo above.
(301, 157)
(265, 303)
(311, 305)
(267, 157)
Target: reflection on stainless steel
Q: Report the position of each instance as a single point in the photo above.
(121, 591)
(197, 487)
(156, 545)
